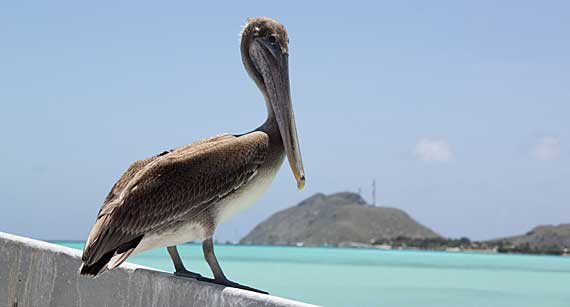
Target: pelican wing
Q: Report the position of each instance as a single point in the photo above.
(181, 183)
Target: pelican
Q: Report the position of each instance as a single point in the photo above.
(181, 195)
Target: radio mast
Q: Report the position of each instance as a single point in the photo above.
(374, 192)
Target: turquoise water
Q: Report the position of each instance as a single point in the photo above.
(368, 277)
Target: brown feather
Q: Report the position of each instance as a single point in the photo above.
(181, 184)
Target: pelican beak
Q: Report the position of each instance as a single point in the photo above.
(272, 62)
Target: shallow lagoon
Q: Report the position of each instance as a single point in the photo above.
(342, 277)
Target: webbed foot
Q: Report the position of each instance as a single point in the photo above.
(228, 283)
(188, 274)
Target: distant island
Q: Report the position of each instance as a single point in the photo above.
(335, 220)
(544, 239)
(345, 220)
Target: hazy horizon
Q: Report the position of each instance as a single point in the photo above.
(459, 111)
(363, 196)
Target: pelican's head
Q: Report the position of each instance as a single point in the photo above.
(265, 54)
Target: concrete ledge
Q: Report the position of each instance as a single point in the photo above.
(36, 273)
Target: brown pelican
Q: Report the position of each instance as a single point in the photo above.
(182, 194)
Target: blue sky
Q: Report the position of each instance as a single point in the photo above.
(459, 110)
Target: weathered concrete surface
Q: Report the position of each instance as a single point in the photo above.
(36, 273)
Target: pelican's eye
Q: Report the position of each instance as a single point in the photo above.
(272, 39)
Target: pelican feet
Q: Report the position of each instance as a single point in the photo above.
(188, 274)
(228, 283)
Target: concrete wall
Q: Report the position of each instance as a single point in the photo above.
(36, 273)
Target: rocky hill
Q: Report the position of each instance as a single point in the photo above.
(336, 219)
(541, 237)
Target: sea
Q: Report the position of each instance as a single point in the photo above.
(359, 277)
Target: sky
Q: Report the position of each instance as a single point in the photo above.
(458, 109)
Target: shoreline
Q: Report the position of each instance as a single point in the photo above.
(354, 245)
